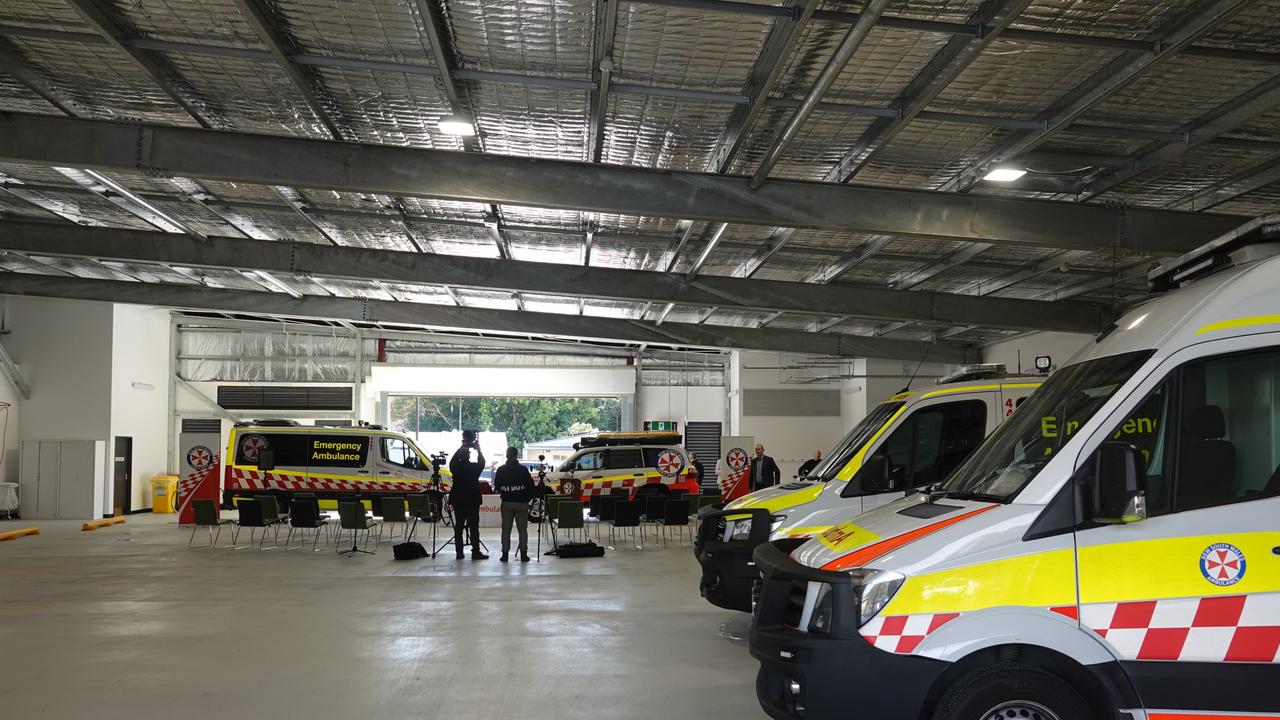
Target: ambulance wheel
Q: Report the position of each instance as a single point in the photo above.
(1009, 691)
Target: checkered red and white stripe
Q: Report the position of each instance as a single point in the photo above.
(1227, 628)
(256, 480)
(602, 487)
(902, 633)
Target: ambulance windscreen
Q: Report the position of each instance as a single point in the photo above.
(835, 460)
(1012, 456)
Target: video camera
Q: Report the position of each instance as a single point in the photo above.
(542, 469)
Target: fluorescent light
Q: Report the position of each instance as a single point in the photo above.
(459, 125)
(1005, 174)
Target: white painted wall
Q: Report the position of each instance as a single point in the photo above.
(63, 349)
(9, 464)
(789, 440)
(140, 393)
(503, 381)
(1059, 346)
(683, 404)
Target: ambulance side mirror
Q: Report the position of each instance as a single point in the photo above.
(266, 459)
(876, 473)
(1119, 484)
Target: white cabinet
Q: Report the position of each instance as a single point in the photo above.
(62, 479)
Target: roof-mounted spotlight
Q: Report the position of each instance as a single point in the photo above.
(1005, 173)
(459, 125)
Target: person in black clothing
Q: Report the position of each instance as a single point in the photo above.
(513, 481)
(465, 494)
(764, 471)
(697, 467)
(808, 465)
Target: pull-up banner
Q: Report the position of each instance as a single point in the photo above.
(733, 469)
(200, 472)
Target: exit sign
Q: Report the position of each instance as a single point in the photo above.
(661, 425)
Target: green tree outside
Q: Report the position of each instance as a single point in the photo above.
(523, 419)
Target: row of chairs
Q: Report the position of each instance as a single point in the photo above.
(263, 513)
(664, 513)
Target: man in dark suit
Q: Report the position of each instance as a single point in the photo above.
(464, 496)
(764, 471)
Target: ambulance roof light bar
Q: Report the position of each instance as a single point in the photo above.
(629, 438)
(982, 371)
(1214, 254)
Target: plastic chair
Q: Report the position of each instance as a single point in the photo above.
(608, 506)
(593, 505)
(272, 515)
(304, 514)
(207, 517)
(626, 515)
(655, 508)
(250, 517)
(675, 515)
(351, 517)
(569, 516)
(393, 511)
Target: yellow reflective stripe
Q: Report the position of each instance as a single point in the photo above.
(899, 396)
(1170, 568)
(1040, 580)
(979, 388)
(855, 462)
(444, 473)
(779, 502)
(846, 536)
(1240, 323)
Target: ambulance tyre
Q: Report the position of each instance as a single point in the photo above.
(1006, 690)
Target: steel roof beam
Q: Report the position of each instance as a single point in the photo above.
(1223, 119)
(497, 321)
(952, 28)
(601, 74)
(761, 81)
(1257, 176)
(1197, 21)
(350, 167)
(323, 261)
(629, 88)
(844, 52)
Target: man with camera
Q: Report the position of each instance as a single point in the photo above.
(515, 484)
(465, 494)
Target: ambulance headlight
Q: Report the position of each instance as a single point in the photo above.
(775, 522)
(742, 528)
(875, 588)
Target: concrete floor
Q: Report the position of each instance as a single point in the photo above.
(126, 623)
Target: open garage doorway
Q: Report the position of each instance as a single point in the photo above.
(535, 425)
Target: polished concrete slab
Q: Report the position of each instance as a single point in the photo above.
(126, 623)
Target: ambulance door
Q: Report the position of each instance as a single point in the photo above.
(585, 467)
(398, 461)
(1188, 598)
(924, 448)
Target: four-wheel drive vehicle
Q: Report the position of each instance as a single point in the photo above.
(637, 462)
(911, 440)
(1112, 551)
(281, 458)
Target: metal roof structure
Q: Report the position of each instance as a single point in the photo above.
(772, 174)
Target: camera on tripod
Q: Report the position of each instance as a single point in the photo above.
(542, 469)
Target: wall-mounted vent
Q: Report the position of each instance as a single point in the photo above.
(791, 403)
(284, 397)
(201, 425)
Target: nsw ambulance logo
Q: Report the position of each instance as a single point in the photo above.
(846, 536)
(200, 457)
(670, 462)
(1222, 564)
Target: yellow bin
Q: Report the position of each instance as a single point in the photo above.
(164, 491)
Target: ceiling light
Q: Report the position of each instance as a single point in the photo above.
(1005, 174)
(459, 125)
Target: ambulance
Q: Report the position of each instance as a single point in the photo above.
(1112, 551)
(912, 439)
(281, 457)
(638, 463)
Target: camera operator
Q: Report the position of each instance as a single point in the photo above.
(465, 495)
(515, 484)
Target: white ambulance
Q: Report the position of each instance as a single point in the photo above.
(365, 462)
(1112, 551)
(912, 439)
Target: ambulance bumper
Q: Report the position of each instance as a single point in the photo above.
(728, 571)
(836, 674)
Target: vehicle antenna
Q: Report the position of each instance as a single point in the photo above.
(914, 372)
